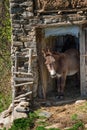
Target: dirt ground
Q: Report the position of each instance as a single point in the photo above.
(62, 114)
(66, 112)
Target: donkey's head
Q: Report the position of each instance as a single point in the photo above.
(50, 62)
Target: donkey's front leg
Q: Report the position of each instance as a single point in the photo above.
(58, 86)
(59, 93)
(61, 85)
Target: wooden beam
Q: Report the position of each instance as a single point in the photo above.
(82, 62)
(23, 95)
(62, 11)
(18, 85)
(59, 24)
(22, 79)
(22, 73)
(29, 61)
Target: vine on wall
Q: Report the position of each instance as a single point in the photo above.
(5, 62)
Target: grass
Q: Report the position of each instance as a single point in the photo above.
(5, 92)
(83, 108)
(24, 123)
(74, 117)
(42, 128)
(30, 122)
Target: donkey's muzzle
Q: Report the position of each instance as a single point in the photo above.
(53, 76)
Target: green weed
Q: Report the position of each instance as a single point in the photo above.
(24, 123)
(42, 128)
(83, 108)
(74, 117)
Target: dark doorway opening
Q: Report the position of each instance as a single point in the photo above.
(61, 44)
(58, 43)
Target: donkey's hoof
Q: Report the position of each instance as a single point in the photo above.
(60, 97)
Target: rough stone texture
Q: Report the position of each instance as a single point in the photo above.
(24, 22)
(6, 117)
(80, 101)
(45, 5)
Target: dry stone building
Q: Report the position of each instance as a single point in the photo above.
(38, 24)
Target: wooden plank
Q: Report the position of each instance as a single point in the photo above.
(43, 76)
(86, 70)
(22, 73)
(22, 79)
(61, 24)
(23, 95)
(82, 61)
(86, 78)
(63, 11)
(18, 85)
(29, 61)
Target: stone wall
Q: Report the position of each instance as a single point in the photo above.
(24, 22)
(23, 29)
(47, 5)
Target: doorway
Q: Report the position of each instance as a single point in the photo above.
(59, 42)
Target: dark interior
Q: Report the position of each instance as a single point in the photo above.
(61, 44)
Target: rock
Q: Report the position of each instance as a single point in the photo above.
(45, 114)
(16, 44)
(48, 103)
(5, 122)
(67, 128)
(56, 125)
(85, 126)
(24, 104)
(80, 101)
(20, 111)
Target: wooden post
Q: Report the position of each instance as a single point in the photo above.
(29, 62)
(82, 62)
(43, 75)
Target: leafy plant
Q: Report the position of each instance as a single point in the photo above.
(83, 108)
(5, 62)
(74, 117)
(42, 128)
(24, 123)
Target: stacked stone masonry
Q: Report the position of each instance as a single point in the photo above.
(25, 20)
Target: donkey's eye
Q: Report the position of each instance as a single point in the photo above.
(46, 63)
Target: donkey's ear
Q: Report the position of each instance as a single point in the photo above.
(49, 52)
(44, 54)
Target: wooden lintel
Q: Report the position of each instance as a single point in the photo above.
(62, 11)
(61, 24)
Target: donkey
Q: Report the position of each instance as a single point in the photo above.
(61, 65)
